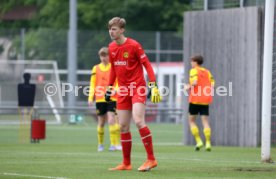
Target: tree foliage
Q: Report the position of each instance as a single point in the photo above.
(153, 15)
(46, 31)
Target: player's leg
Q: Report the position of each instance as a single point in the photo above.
(138, 114)
(204, 112)
(206, 131)
(100, 131)
(112, 130)
(102, 117)
(113, 127)
(193, 111)
(118, 133)
(124, 108)
(126, 139)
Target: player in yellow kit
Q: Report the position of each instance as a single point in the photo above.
(201, 86)
(105, 110)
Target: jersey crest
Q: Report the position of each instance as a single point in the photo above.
(125, 55)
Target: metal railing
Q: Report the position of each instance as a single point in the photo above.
(153, 114)
(44, 43)
(222, 4)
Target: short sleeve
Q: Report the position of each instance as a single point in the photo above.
(193, 75)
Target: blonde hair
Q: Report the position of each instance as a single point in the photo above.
(103, 51)
(121, 22)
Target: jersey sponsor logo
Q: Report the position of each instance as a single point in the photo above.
(143, 56)
(125, 55)
(113, 54)
(120, 63)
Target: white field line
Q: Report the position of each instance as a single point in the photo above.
(33, 176)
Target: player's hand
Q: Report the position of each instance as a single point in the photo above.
(90, 103)
(154, 94)
(108, 94)
(187, 87)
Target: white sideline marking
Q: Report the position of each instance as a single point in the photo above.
(34, 176)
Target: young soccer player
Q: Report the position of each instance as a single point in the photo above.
(127, 59)
(105, 110)
(201, 86)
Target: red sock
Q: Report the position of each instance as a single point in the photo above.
(147, 140)
(126, 147)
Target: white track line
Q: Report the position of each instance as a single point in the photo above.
(34, 176)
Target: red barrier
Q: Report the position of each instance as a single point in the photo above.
(38, 129)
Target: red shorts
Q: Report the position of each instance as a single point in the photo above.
(127, 99)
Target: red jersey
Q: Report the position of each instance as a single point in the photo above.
(127, 61)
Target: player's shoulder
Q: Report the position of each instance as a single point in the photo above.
(94, 68)
(193, 70)
(133, 42)
(112, 44)
(205, 69)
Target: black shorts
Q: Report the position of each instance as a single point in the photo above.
(103, 107)
(195, 109)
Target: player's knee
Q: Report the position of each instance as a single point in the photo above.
(101, 125)
(111, 121)
(140, 124)
(124, 128)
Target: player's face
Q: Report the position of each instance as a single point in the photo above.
(115, 32)
(193, 64)
(104, 59)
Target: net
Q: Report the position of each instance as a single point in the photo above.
(42, 73)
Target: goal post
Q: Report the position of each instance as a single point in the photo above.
(267, 81)
(42, 72)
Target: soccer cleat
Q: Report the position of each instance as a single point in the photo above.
(198, 146)
(121, 167)
(112, 148)
(148, 165)
(100, 148)
(118, 147)
(208, 147)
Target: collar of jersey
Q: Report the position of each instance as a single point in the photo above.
(103, 67)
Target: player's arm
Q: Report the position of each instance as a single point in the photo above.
(113, 90)
(112, 75)
(112, 78)
(154, 94)
(140, 53)
(211, 79)
(145, 62)
(193, 77)
(92, 86)
(116, 85)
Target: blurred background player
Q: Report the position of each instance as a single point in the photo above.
(201, 90)
(105, 110)
(127, 59)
